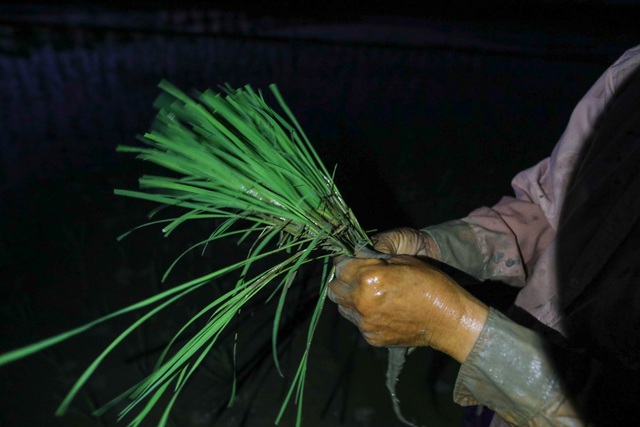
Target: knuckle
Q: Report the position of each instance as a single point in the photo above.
(384, 246)
(365, 327)
(362, 300)
(372, 339)
(368, 300)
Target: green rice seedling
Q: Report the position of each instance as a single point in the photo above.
(231, 158)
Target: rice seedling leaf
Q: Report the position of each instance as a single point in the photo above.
(231, 158)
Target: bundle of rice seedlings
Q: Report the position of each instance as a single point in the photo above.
(233, 159)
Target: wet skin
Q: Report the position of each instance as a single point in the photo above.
(402, 301)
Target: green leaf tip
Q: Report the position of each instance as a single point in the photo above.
(231, 158)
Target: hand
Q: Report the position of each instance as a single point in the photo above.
(406, 241)
(404, 302)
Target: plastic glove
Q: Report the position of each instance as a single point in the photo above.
(406, 241)
(402, 301)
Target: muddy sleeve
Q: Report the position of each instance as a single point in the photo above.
(509, 372)
(498, 243)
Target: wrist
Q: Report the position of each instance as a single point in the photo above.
(459, 340)
(429, 246)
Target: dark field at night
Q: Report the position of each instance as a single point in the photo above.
(426, 117)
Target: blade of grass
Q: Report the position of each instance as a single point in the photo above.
(234, 159)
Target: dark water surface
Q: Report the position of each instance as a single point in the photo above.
(426, 120)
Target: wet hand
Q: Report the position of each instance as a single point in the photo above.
(406, 241)
(404, 302)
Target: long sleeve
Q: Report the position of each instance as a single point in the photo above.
(505, 242)
(509, 369)
(499, 243)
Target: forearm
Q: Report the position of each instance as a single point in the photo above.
(499, 243)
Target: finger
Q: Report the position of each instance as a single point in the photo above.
(340, 261)
(349, 314)
(382, 243)
(373, 338)
(340, 292)
(346, 268)
(339, 258)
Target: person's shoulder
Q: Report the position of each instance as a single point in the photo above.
(624, 67)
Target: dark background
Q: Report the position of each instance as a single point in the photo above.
(427, 113)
